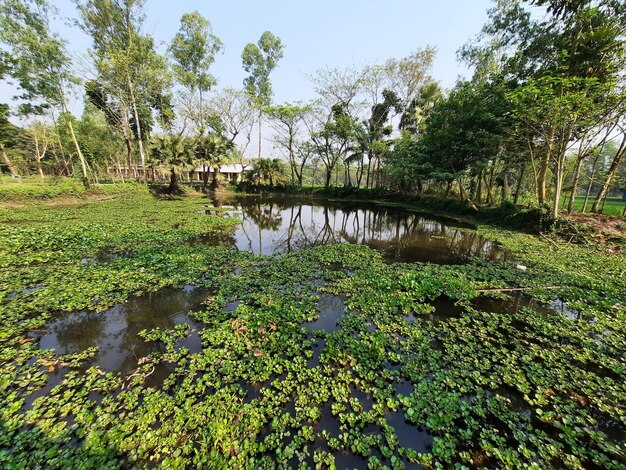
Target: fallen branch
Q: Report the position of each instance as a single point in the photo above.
(554, 244)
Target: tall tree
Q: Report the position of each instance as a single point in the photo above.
(130, 72)
(9, 136)
(231, 115)
(259, 60)
(288, 122)
(39, 60)
(194, 48)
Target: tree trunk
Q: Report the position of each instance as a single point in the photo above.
(505, 186)
(173, 187)
(542, 191)
(260, 125)
(611, 173)
(479, 188)
(329, 175)
(205, 177)
(560, 170)
(572, 197)
(83, 164)
(70, 128)
(490, 183)
(40, 151)
(216, 183)
(591, 178)
(138, 126)
(7, 162)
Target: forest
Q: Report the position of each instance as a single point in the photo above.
(540, 123)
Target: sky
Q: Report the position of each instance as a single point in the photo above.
(316, 34)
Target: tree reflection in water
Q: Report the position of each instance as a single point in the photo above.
(116, 332)
(281, 225)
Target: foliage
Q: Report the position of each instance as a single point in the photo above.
(420, 368)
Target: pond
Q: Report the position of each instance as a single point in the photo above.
(282, 225)
(269, 226)
(279, 226)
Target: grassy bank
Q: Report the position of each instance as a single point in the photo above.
(33, 190)
(419, 364)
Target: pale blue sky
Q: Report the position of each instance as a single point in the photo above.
(315, 34)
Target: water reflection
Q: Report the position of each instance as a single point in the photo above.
(283, 226)
(116, 331)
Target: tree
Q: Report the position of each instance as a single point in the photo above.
(9, 136)
(288, 122)
(174, 151)
(561, 70)
(268, 170)
(194, 48)
(231, 115)
(408, 75)
(259, 60)
(41, 138)
(464, 132)
(132, 76)
(419, 108)
(212, 150)
(39, 60)
(331, 138)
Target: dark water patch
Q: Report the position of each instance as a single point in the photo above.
(232, 306)
(510, 304)
(445, 309)
(282, 225)
(327, 422)
(614, 429)
(24, 291)
(365, 399)
(516, 399)
(562, 308)
(191, 342)
(52, 381)
(159, 373)
(318, 348)
(254, 390)
(115, 332)
(331, 310)
(409, 435)
(403, 387)
(514, 303)
(213, 239)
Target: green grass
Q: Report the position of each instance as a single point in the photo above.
(612, 206)
(33, 189)
(500, 389)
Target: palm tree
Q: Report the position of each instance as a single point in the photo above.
(213, 150)
(268, 170)
(420, 107)
(175, 151)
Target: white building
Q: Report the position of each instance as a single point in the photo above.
(233, 173)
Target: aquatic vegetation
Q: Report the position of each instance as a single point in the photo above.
(328, 356)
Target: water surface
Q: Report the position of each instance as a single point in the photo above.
(279, 226)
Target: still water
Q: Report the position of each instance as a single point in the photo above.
(279, 226)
